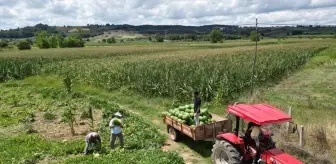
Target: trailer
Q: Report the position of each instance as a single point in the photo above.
(205, 132)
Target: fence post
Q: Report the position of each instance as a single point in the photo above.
(287, 123)
(301, 132)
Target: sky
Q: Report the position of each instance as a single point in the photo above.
(20, 13)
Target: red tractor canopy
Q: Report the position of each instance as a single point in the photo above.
(261, 114)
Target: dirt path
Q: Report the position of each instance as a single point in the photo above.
(217, 117)
(189, 156)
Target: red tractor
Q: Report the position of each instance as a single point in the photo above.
(235, 148)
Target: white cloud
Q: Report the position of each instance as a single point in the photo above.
(21, 13)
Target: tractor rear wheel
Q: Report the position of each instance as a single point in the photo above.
(224, 153)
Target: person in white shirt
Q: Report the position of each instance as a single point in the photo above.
(255, 134)
(116, 130)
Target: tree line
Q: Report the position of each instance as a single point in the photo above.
(94, 30)
(46, 40)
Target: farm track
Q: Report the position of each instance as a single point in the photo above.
(189, 156)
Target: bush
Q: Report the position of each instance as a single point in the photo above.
(111, 40)
(24, 45)
(255, 37)
(3, 44)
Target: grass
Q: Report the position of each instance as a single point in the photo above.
(311, 94)
(25, 148)
(31, 147)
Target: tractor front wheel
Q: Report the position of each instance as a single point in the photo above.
(224, 153)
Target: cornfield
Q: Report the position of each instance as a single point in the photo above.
(174, 72)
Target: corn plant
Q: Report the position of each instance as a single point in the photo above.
(68, 116)
(67, 81)
(88, 114)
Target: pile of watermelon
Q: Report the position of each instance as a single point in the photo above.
(185, 115)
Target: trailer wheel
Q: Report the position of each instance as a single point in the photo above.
(224, 153)
(173, 133)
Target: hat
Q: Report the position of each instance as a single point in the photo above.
(118, 114)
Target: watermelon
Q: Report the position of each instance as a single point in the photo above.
(185, 117)
(181, 108)
(201, 123)
(204, 111)
(192, 126)
(116, 121)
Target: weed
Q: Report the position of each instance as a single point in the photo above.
(319, 138)
(49, 115)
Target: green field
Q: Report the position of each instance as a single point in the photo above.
(143, 80)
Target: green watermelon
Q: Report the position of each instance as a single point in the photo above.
(180, 115)
(204, 111)
(201, 123)
(192, 126)
(181, 108)
(116, 121)
(185, 117)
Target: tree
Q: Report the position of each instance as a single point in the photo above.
(159, 38)
(254, 37)
(104, 40)
(111, 40)
(42, 40)
(53, 41)
(297, 32)
(150, 38)
(24, 45)
(216, 35)
(60, 41)
(73, 41)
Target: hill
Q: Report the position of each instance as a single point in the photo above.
(91, 30)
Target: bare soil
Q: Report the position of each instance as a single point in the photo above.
(57, 130)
